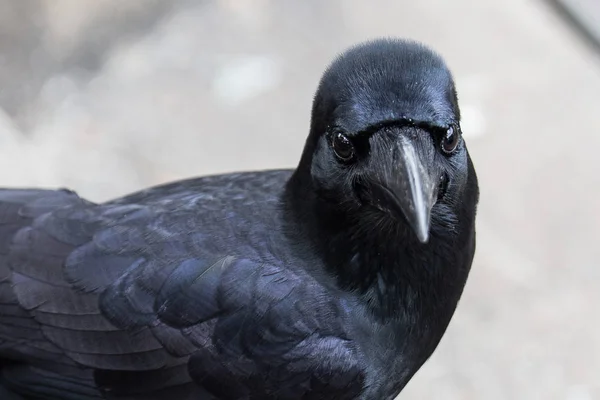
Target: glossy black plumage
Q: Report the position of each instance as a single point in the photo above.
(305, 284)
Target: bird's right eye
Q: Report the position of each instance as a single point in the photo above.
(342, 147)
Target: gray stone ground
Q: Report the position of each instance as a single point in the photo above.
(109, 96)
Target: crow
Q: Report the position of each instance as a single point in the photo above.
(335, 280)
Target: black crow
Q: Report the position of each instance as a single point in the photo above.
(335, 280)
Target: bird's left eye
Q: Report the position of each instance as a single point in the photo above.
(450, 140)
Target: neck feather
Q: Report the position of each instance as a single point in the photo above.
(378, 257)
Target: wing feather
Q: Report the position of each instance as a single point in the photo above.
(139, 302)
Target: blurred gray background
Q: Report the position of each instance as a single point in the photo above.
(109, 96)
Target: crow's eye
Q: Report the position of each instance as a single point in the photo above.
(450, 140)
(342, 147)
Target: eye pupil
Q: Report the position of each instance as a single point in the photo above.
(342, 147)
(450, 140)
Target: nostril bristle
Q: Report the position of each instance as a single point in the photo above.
(443, 186)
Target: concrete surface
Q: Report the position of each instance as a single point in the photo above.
(107, 97)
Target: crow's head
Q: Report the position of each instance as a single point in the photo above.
(386, 137)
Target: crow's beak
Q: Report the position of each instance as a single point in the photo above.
(413, 188)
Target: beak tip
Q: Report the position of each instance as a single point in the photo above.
(421, 225)
(423, 236)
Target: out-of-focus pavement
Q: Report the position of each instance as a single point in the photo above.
(107, 97)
